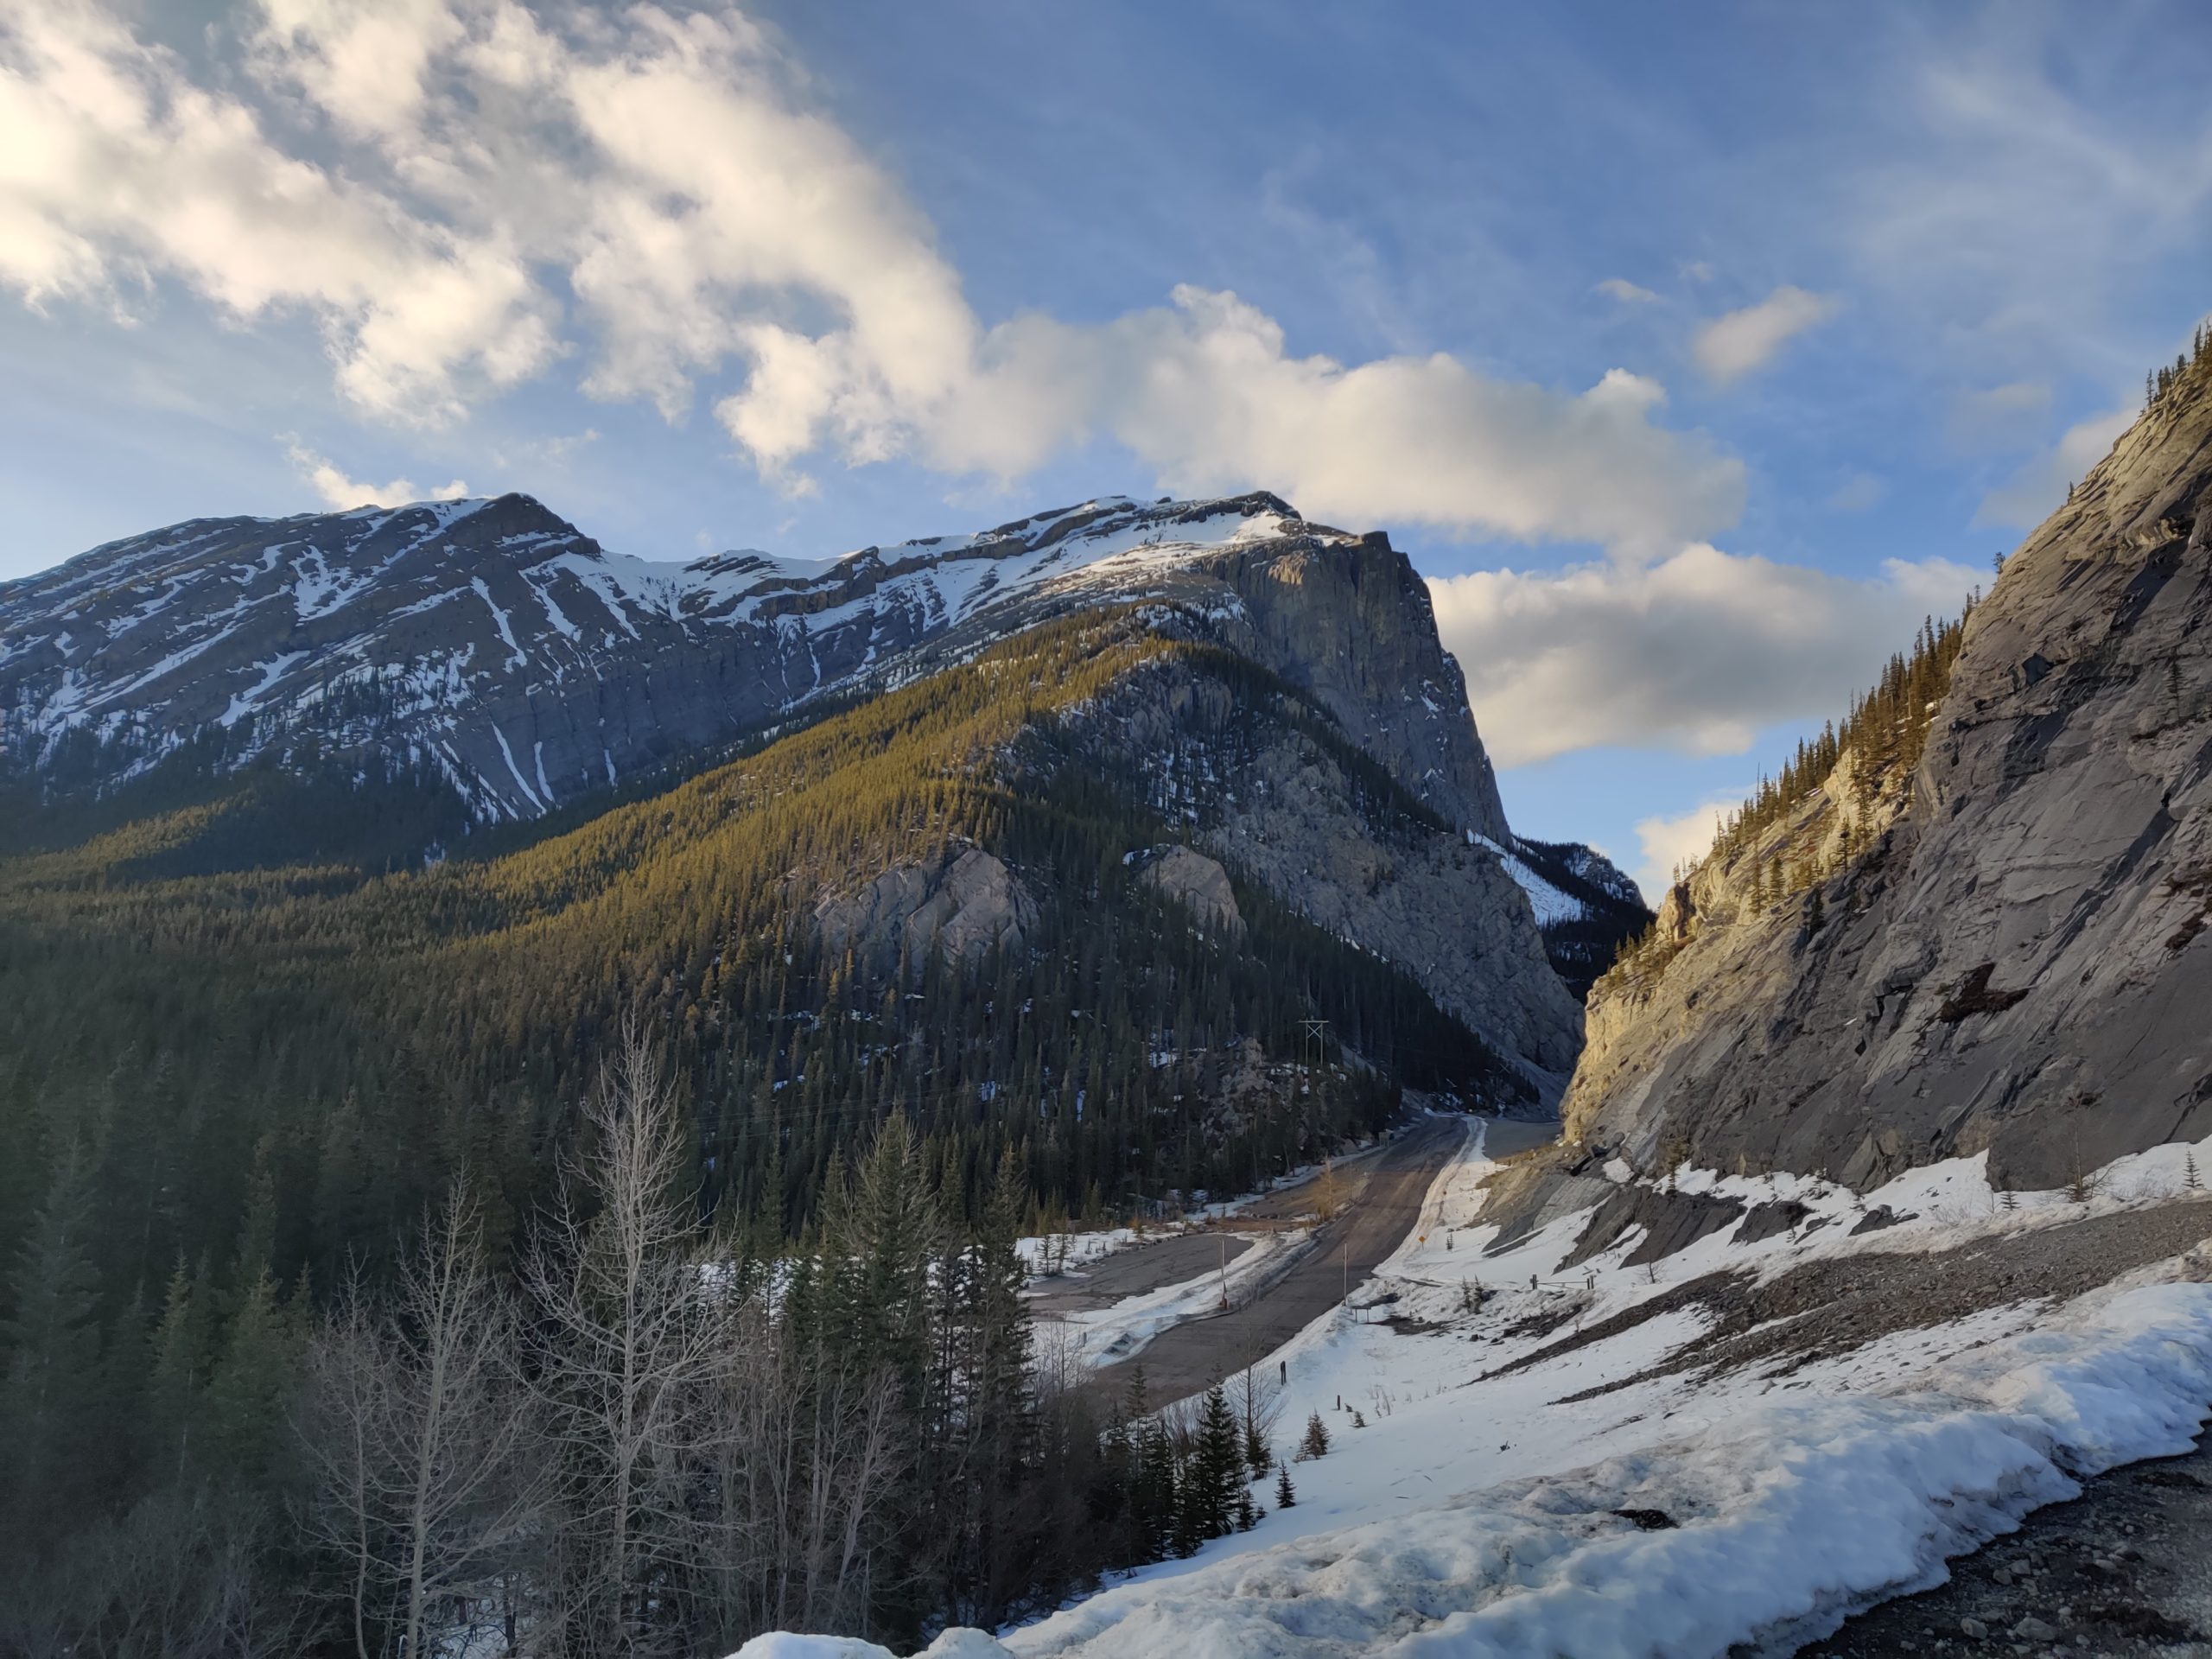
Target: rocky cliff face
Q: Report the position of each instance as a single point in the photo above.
(2007, 948)
(1274, 797)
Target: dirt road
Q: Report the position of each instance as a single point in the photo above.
(1382, 1198)
(1133, 1272)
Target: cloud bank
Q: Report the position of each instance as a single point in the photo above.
(340, 492)
(1729, 347)
(1696, 653)
(463, 197)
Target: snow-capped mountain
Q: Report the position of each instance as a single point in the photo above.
(494, 644)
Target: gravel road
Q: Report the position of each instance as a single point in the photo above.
(1138, 1270)
(1382, 1198)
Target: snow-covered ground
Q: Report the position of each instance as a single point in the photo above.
(1093, 1337)
(1476, 1513)
(1055, 1253)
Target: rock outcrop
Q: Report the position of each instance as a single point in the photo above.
(2013, 950)
(1199, 885)
(1290, 804)
(965, 906)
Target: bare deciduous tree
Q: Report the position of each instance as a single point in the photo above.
(631, 1334)
(418, 1431)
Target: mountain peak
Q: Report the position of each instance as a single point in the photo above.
(491, 641)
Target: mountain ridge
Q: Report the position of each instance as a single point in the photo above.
(496, 644)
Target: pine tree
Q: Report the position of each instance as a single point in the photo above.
(1213, 1477)
(53, 1341)
(1316, 1441)
(1285, 1494)
(246, 1406)
(178, 1370)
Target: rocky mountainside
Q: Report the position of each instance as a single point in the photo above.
(494, 644)
(1988, 926)
(490, 650)
(1153, 847)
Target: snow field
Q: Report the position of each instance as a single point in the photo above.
(1474, 1516)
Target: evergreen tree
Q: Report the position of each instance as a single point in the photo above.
(1213, 1477)
(1285, 1494)
(246, 1406)
(178, 1370)
(54, 1349)
(1315, 1443)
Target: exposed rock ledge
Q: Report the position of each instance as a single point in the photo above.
(1199, 885)
(965, 907)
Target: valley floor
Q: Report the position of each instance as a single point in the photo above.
(1733, 1449)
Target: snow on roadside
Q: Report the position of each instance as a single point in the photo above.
(1475, 1514)
(1786, 1516)
(1049, 1253)
(1095, 1336)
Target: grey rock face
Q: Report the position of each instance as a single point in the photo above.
(1282, 808)
(2022, 960)
(965, 907)
(1199, 885)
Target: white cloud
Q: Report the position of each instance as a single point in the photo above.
(1628, 293)
(1858, 493)
(1207, 393)
(1669, 844)
(1999, 415)
(340, 492)
(1694, 653)
(115, 167)
(651, 190)
(1731, 346)
(2028, 497)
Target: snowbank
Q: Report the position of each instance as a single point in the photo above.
(1465, 1511)
(1095, 1337)
(1780, 1518)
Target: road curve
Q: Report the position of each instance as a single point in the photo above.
(1383, 1197)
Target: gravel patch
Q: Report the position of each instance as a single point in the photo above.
(2124, 1572)
(1831, 1307)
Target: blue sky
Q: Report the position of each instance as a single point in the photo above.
(1696, 350)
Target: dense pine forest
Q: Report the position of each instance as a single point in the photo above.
(258, 1031)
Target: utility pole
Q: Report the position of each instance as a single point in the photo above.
(1314, 1045)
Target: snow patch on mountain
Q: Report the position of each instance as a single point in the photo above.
(1551, 905)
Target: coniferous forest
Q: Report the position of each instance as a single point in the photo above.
(552, 1230)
